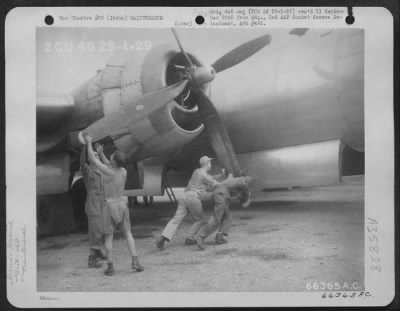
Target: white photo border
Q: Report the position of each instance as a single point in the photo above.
(20, 53)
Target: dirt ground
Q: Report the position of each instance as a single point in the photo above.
(283, 241)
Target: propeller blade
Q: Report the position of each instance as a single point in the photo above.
(217, 133)
(115, 123)
(241, 53)
(188, 60)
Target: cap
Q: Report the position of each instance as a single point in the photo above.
(204, 160)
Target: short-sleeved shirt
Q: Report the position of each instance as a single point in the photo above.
(232, 185)
(199, 182)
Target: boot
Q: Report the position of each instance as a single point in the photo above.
(93, 263)
(160, 242)
(200, 242)
(136, 266)
(189, 241)
(219, 238)
(99, 254)
(110, 269)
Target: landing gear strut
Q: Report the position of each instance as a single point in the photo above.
(148, 200)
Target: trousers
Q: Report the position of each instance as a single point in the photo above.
(94, 207)
(221, 219)
(190, 203)
(95, 232)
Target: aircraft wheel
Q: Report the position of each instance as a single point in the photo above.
(54, 214)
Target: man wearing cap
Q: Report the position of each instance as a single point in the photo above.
(190, 202)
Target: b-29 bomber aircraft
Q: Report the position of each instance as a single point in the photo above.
(284, 115)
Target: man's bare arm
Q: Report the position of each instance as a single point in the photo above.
(100, 152)
(209, 181)
(102, 167)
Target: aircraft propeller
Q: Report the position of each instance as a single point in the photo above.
(198, 77)
(217, 133)
(241, 53)
(188, 60)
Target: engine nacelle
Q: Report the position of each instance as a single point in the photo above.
(126, 77)
(303, 165)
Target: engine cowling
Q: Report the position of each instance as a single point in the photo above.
(126, 77)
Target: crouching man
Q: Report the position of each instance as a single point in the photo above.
(116, 212)
(221, 219)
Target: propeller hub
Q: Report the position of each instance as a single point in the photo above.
(202, 75)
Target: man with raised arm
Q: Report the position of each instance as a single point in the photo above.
(116, 212)
(190, 202)
(94, 206)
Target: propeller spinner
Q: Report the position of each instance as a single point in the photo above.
(201, 75)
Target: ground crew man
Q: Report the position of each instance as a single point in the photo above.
(116, 212)
(190, 202)
(94, 205)
(221, 219)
